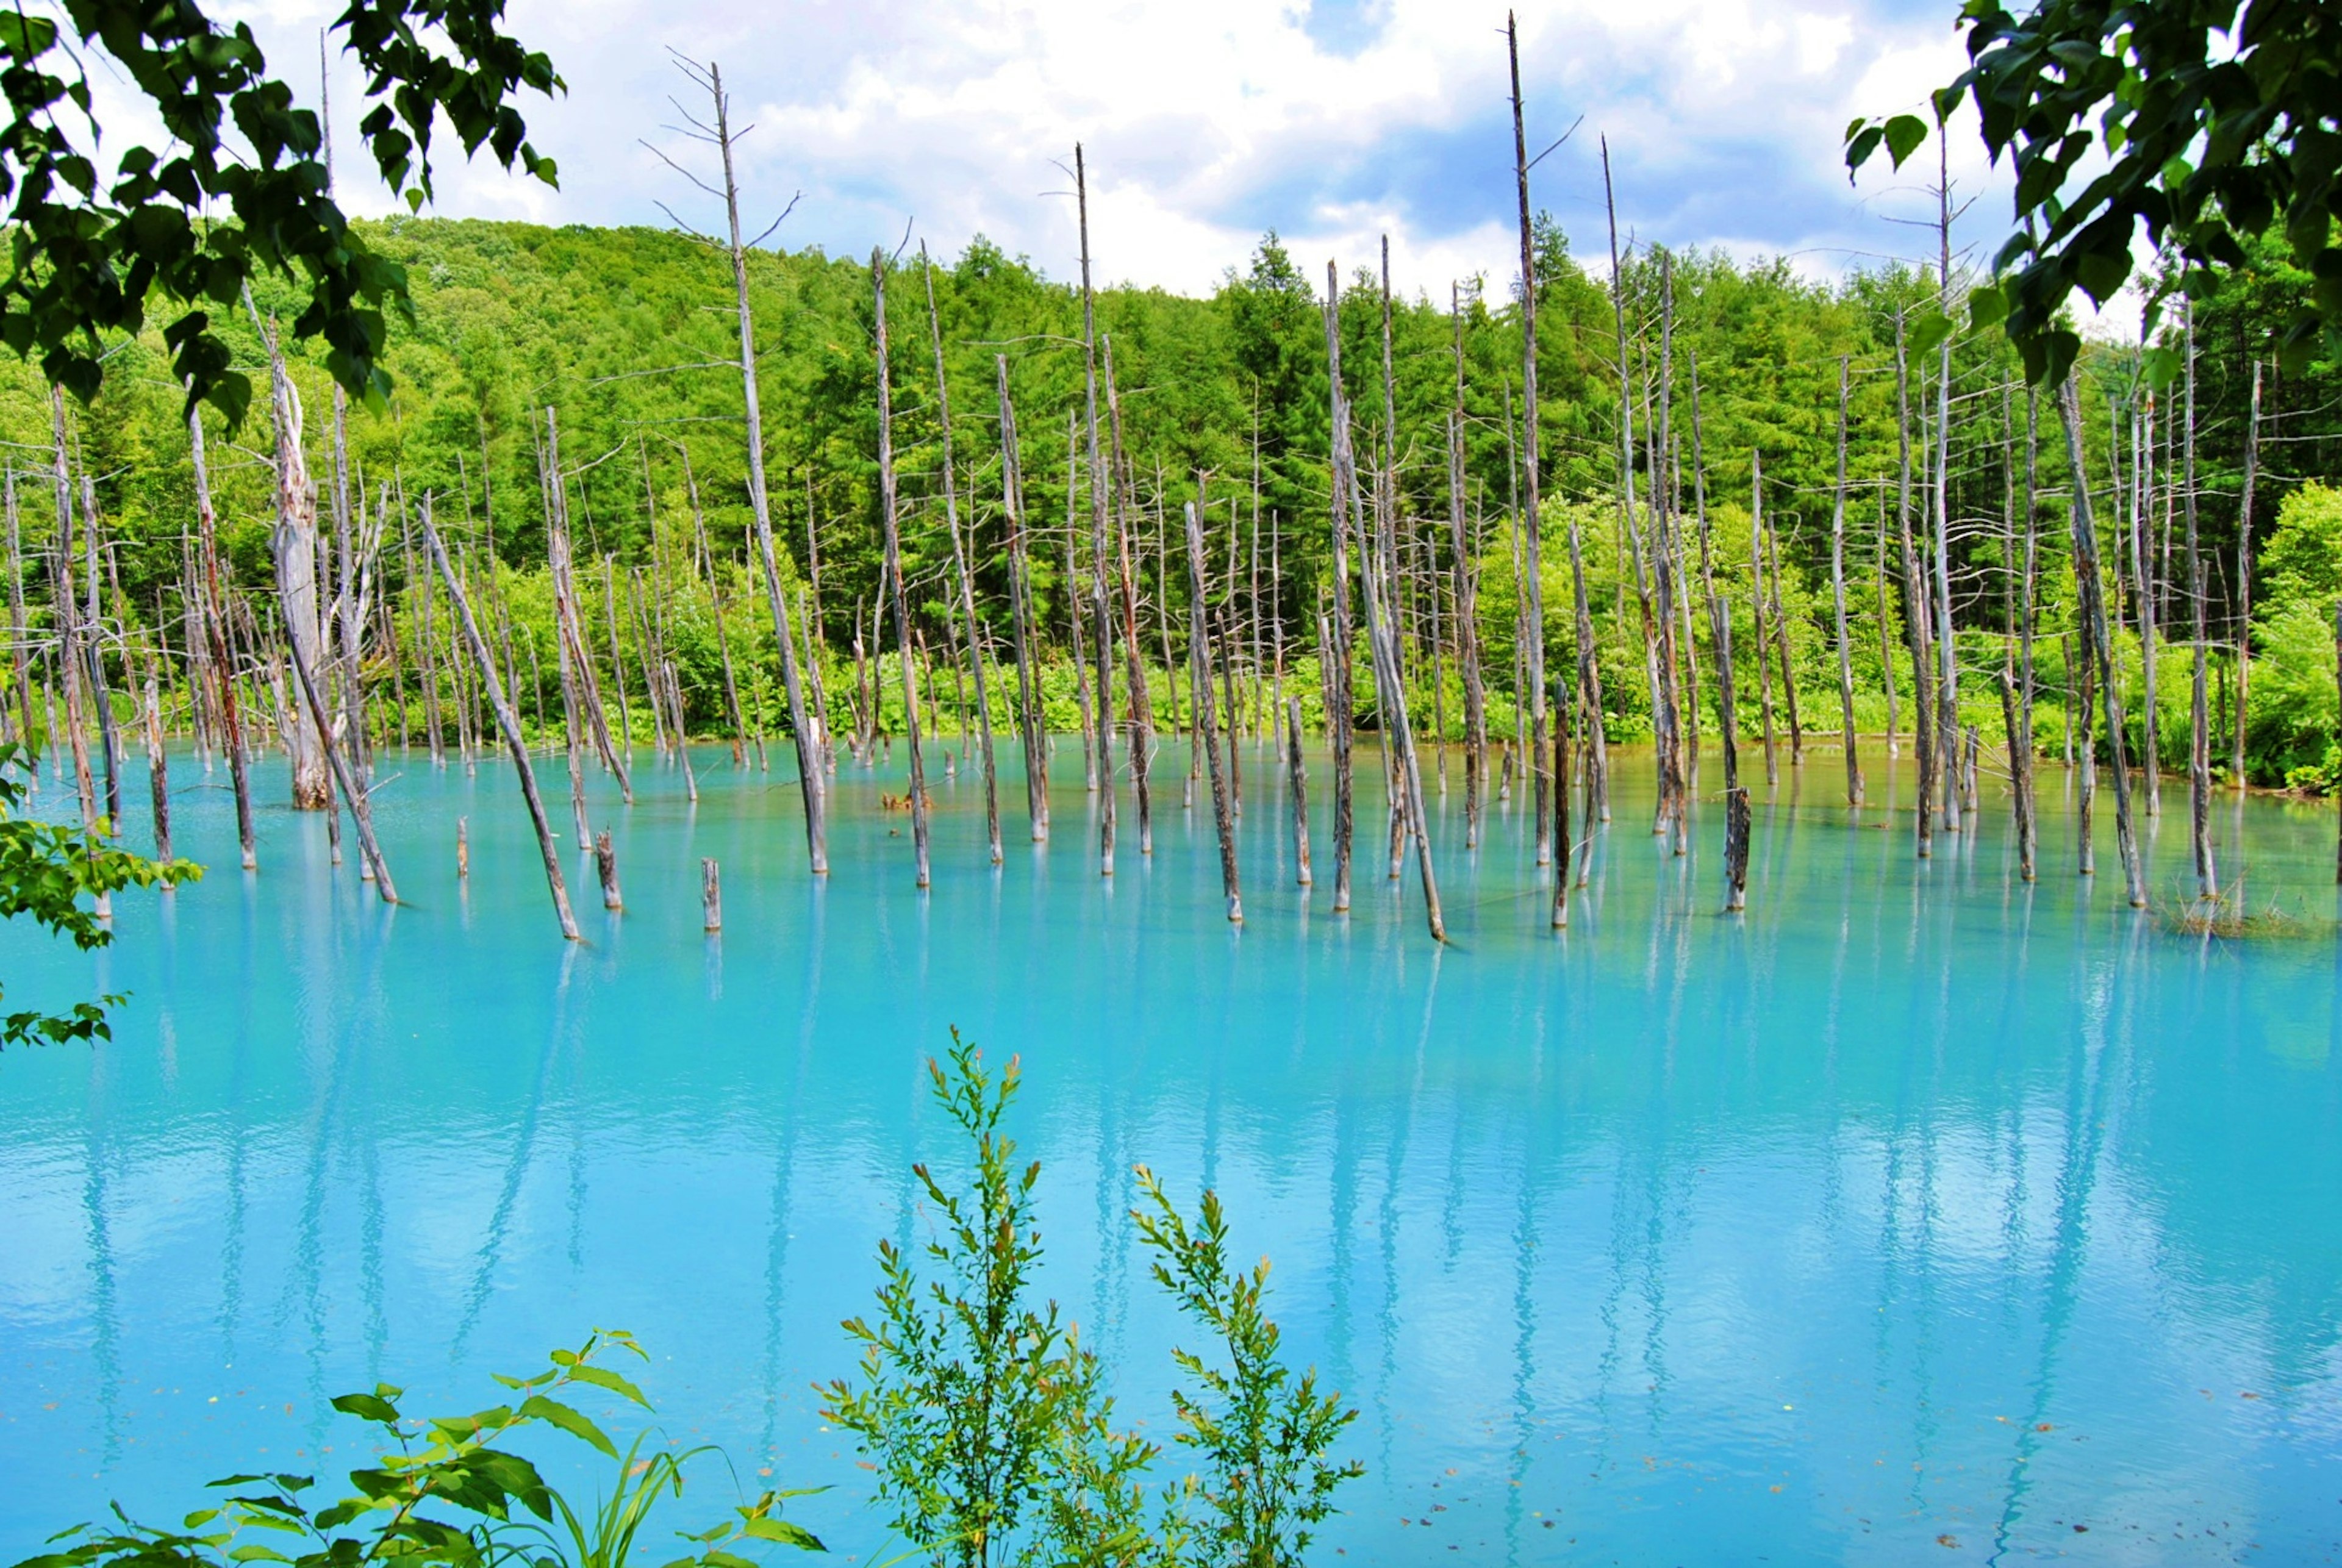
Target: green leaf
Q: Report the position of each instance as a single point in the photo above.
(1928, 331)
(1987, 307)
(1903, 133)
(602, 1377)
(569, 1420)
(367, 1407)
(786, 1533)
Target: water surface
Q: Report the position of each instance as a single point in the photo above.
(1916, 1216)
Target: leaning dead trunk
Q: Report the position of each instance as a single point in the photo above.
(507, 725)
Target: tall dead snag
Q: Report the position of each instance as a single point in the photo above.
(1468, 615)
(1029, 725)
(1667, 684)
(1200, 649)
(2143, 596)
(93, 646)
(1532, 599)
(1099, 482)
(811, 780)
(2098, 644)
(1782, 647)
(23, 684)
(1757, 611)
(1296, 780)
(1382, 640)
(557, 563)
(717, 608)
(2016, 682)
(1947, 674)
(1719, 620)
(1142, 708)
(2244, 584)
(959, 562)
(2200, 752)
(296, 563)
(507, 725)
(1837, 590)
(1340, 704)
(214, 623)
(888, 509)
(1925, 730)
(569, 623)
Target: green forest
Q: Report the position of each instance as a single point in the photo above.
(621, 345)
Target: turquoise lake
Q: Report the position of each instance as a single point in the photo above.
(1916, 1216)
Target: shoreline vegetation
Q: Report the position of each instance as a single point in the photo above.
(1768, 512)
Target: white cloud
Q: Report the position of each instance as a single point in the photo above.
(1207, 121)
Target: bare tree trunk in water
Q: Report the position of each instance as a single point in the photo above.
(1207, 724)
(2200, 751)
(508, 725)
(2094, 627)
(894, 567)
(1837, 590)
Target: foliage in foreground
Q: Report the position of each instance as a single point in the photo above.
(45, 870)
(447, 1492)
(992, 1439)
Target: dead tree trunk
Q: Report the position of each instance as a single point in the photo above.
(1533, 595)
(1345, 511)
(959, 563)
(1296, 780)
(1837, 590)
(1757, 609)
(1098, 480)
(1142, 708)
(1030, 723)
(222, 661)
(296, 586)
(1468, 615)
(2244, 583)
(1924, 729)
(812, 782)
(888, 509)
(507, 725)
(1207, 724)
(2200, 752)
(2099, 644)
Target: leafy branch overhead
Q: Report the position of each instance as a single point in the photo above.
(2208, 125)
(46, 869)
(241, 186)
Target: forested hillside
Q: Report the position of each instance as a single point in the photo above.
(624, 343)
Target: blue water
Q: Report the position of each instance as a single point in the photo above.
(1916, 1216)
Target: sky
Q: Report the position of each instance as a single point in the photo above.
(1205, 123)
